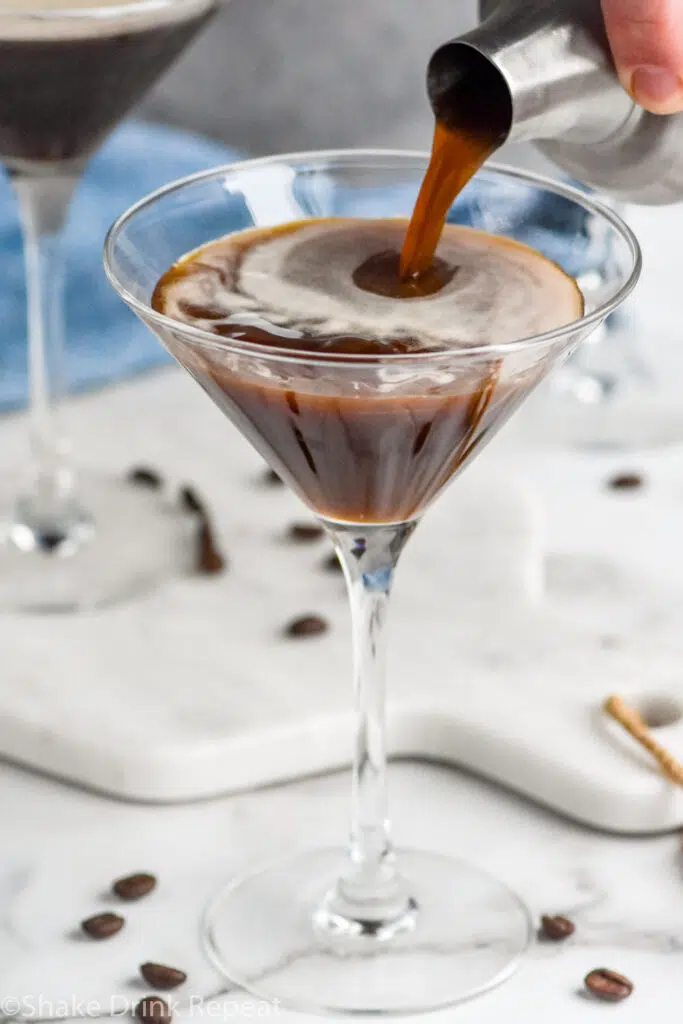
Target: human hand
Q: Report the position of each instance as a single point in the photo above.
(647, 42)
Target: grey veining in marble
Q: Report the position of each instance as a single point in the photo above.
(65, 846)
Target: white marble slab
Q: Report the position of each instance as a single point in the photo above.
(529, 594)
(62, 846)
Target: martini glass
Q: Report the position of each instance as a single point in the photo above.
(367, 442)
(69, 71)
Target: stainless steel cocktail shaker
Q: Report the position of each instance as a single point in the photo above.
(549, 63)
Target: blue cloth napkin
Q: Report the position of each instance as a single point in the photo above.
(105, 342)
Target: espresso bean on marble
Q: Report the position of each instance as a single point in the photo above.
(190, 500)
(556, 928)
(145, 476)
(103, 926)
(305, 533)
(153, 1010)
(626, 482)
(134, 887)
(307, 626)
(162, 977)
(210, 561)
(608, 986)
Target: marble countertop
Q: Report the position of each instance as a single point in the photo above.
(61, 847)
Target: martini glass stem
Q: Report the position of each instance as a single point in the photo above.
(46, 512)
(371, 897)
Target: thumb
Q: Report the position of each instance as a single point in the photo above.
(647, 42)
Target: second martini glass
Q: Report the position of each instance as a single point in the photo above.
(69, 71)
(369, 929)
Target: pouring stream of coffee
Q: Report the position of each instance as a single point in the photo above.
(473, 112)
(455, 158)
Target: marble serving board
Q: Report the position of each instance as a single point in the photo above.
(529, 594)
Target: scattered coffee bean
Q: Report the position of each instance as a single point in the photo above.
(134, 887)
(153, 1010)
(305, 532)
(143, 476)
(626, 482)
(51, 541)
(164, 978)
(271, 478)
(210, 561)
(190, 501)
(556, 928)
(608, 985)
(332, 563)
(307, 625)
(102, 926)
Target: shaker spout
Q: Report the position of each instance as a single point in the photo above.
(469, 93)
(540, 70)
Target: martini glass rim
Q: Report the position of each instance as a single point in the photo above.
(93, 11)
(338, 157)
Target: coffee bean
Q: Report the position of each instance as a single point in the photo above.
(190, 501)
(102, 926)
(626, 482)
(307, 625)
(210, 561)
(134, 887)
(332, 563)
(556, 928)
(608, 985)
(305, 532)
(164, 978)
(153, 1010)
(51, 540)
(143, 476)
(271, 478)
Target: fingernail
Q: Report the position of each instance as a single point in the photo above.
(653, 86)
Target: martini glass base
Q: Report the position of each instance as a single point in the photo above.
(129, 542)
(468, 934)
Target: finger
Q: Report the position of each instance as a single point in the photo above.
(647, 42)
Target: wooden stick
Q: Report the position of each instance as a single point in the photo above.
(634, 724)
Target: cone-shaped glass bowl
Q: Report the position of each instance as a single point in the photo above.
(367, 928)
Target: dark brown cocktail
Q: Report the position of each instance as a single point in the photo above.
(359, 443)
(64, 83)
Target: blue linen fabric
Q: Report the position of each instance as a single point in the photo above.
(104, 340)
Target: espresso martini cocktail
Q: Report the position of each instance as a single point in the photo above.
(368, 388)
(68, 73)
(65, 81)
